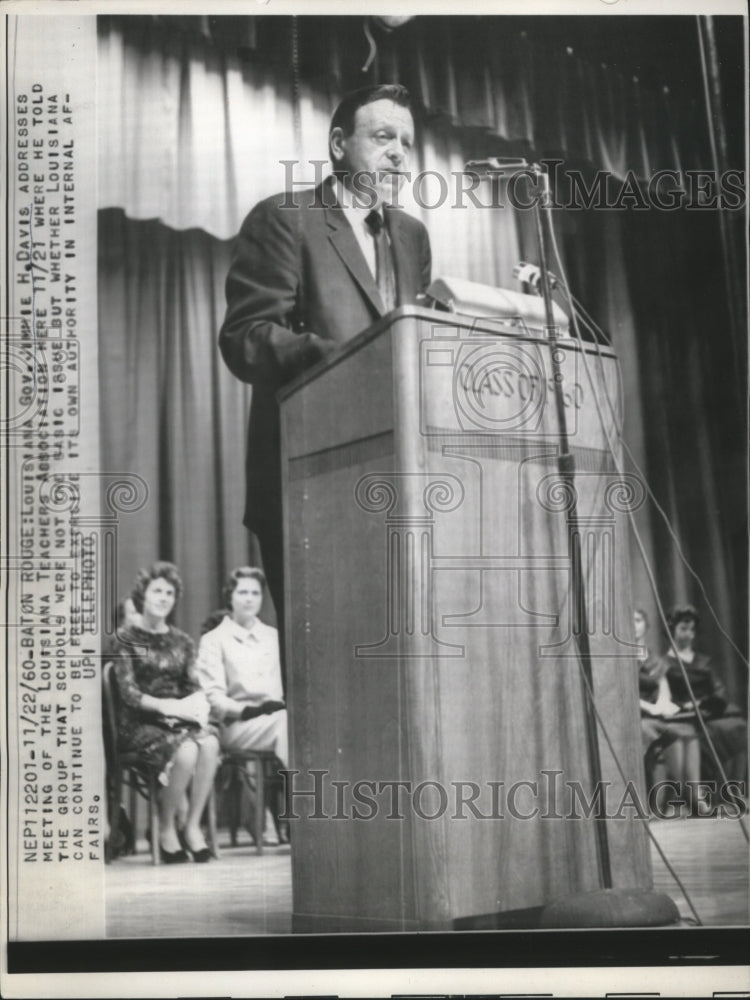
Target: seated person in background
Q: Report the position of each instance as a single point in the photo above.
(726, 727)
(120, 833)
(164, 714)
(125, 614)
(671, 748)
(239, 669)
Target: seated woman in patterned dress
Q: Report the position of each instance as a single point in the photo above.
(163, 712)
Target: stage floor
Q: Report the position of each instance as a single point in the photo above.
(246, 894)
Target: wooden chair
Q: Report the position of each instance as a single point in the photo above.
(266, 778)
(126, 769)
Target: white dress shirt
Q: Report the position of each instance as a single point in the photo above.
(238, 666)
(356, 216)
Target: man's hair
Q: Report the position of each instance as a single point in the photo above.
(156, 571)
(343, 116)
(682, 613)
(241, 573)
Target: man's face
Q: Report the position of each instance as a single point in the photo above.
(376, 155)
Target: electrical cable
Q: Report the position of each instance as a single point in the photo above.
(589, 690)
(643, 554)
(588, 682)
(373, 47)
(643, 818)
(641, 547)
(598, 334)
(595, 329)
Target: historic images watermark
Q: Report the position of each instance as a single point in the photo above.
(549, 796)
(572, 189)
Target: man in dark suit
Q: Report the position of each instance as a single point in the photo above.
(311, 270)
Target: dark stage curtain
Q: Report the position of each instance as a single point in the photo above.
(200, 109)
(654, 280)
(693, 372)
(170, 409)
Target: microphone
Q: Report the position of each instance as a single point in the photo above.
(496, 165)
(530, 274)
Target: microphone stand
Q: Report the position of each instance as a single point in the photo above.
(566, 468)
(610, 907)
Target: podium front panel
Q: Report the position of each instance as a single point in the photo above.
(435, 688)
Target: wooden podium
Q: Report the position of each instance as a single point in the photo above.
(437, 704)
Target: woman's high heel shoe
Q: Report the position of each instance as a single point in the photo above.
(172, 857)
(201, 856)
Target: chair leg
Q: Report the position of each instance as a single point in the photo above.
(153, 810)
(276, 804)
(213, 840)
(114, 790)
(255, 794)
(260, 806)
(235, 785)
(133, 812)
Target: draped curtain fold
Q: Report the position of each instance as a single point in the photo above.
(171, 410)
(204, 123)
(656, 278)
(693, 398)
(197, 115)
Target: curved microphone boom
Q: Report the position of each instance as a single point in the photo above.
(496, 165)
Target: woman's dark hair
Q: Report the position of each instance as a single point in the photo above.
(156, 571)
(682, 613)
(121, 612)
(241, 573)
(345, 113)
(213, 620)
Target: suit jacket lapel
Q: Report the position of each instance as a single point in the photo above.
(344, 242)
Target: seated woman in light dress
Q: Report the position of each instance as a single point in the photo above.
(239, 669)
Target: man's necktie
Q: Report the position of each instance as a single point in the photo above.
(385, 277)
